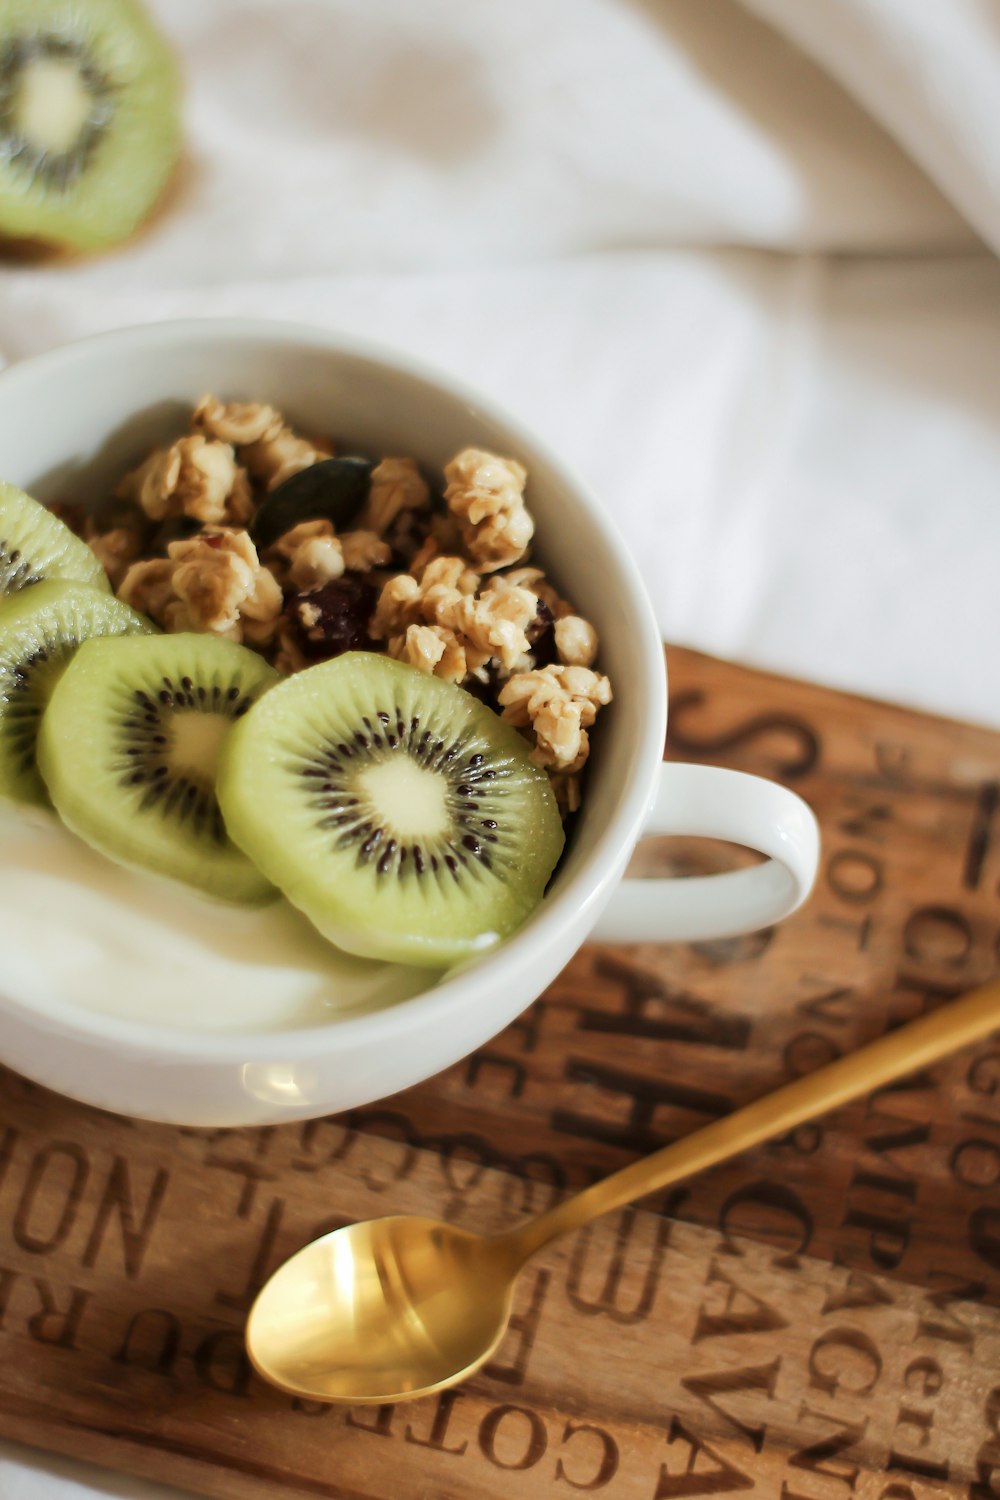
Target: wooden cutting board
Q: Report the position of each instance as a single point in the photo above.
(817, 1321)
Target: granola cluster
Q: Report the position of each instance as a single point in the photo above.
(212, 582)
(486, 496)
(440, 579)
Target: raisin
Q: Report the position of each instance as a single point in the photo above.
(541, 635)
(487, 692)
(333, 619)
(406, 536)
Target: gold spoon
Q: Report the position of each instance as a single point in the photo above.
(390, 1309)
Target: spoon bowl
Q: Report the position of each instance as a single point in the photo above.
(385, 1310)
(389, 1309)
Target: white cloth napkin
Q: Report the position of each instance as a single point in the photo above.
(728, 258)
(930, 73)
(536, 196)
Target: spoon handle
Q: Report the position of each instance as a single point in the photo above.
(912, 1047)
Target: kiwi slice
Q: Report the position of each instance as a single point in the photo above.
(128, 749)
(35, 544)
(40, 628)
(89, 119)
(399, 813)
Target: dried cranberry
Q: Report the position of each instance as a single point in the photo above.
(487, 691)
(541, 635)
(334, 618)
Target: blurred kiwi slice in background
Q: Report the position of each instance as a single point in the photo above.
(89, 120)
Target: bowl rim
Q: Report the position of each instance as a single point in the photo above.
(587, 889)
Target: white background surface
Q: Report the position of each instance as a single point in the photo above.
(748, 292)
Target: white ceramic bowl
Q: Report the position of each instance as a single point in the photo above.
(72, 420)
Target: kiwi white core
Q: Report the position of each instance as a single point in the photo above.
(53, 104)
(411, 799)
(195, 741)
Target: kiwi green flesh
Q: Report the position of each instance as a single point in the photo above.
(35, 544)
(40, 629)
(401, 815)
(89, 119)
(128, 750)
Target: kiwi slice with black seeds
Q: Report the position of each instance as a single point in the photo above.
(89, 119)
(40, 629)
(35, 544)
(128, 748)
(401, 815)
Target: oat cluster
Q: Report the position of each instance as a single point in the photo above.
(441, 580)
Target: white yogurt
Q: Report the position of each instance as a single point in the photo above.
(76, 928)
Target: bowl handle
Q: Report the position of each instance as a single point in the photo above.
(712, 802)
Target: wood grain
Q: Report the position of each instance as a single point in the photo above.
(818, 1320)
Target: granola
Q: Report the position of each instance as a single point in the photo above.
(397, 485)
(279, 455)
(439, 576)
(213, 582)
(115, 550)
(559, 704)
(485, 494)
(193, 477)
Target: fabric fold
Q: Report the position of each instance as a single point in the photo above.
(929, 73)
